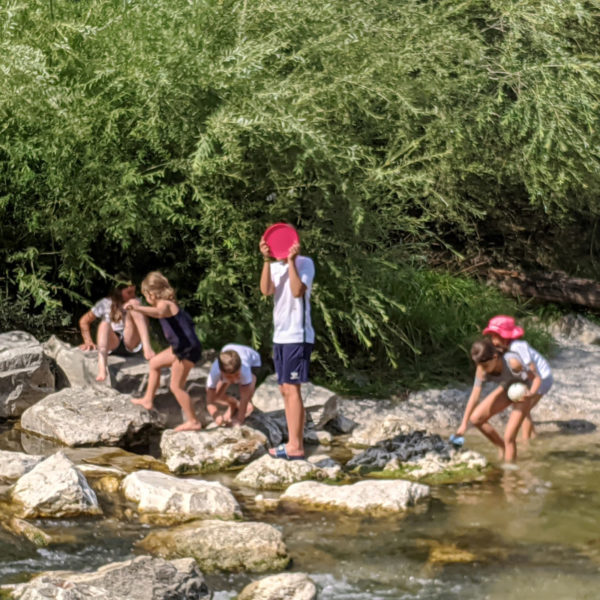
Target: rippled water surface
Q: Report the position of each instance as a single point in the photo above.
(527, 533)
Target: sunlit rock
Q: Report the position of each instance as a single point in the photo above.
(142, 578)
(181, 499)
(368, 497)
(222, 545)
(25, 375)
(15, 464)
(55, 488)
(89, 416)
(212, 450)
(284, 586)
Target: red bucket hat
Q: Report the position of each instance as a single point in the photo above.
(504, 327)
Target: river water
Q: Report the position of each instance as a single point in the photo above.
(532, 533)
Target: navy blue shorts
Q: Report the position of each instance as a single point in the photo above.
(191, 353)
(291, 362)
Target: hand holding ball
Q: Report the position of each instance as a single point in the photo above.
(516, 391)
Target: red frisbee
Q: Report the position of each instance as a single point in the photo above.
(280, 238)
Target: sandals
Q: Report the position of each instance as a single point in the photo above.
(281, 452)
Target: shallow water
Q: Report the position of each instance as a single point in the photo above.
(530, 532)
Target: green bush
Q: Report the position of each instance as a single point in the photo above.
(168, 134)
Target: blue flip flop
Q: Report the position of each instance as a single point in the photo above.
(281, 452)
(457, 440)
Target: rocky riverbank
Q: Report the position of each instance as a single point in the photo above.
(69, 455)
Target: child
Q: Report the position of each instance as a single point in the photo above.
(234, 365)
(118, 332)
(290, 282)
(504, 335)
(503, 369)
(184, 347)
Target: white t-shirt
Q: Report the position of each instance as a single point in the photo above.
(529, 355)
(249, 357)
(291, 316)
(102, 311)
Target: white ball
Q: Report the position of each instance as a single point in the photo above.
(516, 391)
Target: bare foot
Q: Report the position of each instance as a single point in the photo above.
(228, 414)
(147, 404)
(101, 376)
(218, 420)
(189, 426)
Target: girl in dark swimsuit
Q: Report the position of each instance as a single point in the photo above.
(184, 347)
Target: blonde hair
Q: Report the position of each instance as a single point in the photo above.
(229, 362)
(158, 285)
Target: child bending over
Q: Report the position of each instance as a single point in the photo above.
(504, 334)
(502, 369)
(233, 365)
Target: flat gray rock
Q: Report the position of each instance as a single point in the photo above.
(366, 497)
(88, 416)
(284, 586)
(222, 545)
(183, 499)
(55, 488)
(269, 473)
(211, 450)
(142, 578)
(25, 375)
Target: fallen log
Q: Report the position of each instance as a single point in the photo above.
(556, 286)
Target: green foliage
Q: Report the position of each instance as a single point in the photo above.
(168, 134)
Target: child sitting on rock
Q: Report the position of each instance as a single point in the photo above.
(503, 369)
(233, 366)
(184, 347)
(504, 334)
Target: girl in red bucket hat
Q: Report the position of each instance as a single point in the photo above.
(505, 335)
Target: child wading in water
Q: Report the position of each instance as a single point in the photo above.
(503, 369)
(184, 347)
(504, 334)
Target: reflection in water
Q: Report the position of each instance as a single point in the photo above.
(530, 532)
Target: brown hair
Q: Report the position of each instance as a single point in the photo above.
(122, 282)
(158, 285)
(229, 362)
(483, 350)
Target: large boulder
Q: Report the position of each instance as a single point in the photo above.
(89, 416)
(142, 578)
(55, 488)
(25, 374)
(269, 473)
(222, 545)
(179, 499)
(15, 464)
(367, 497)
(576, 328)
(212, 450)
(284, 586)
(76, 367)
(321, 404)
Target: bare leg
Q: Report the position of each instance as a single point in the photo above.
(295, 417)
(106, 341)
(491, 405)
(179, 372)
(528, 430)
(136, 331)
(159, 361)
(517, 416)
(245, 407)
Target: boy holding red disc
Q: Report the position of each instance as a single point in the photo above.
(289, 279)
